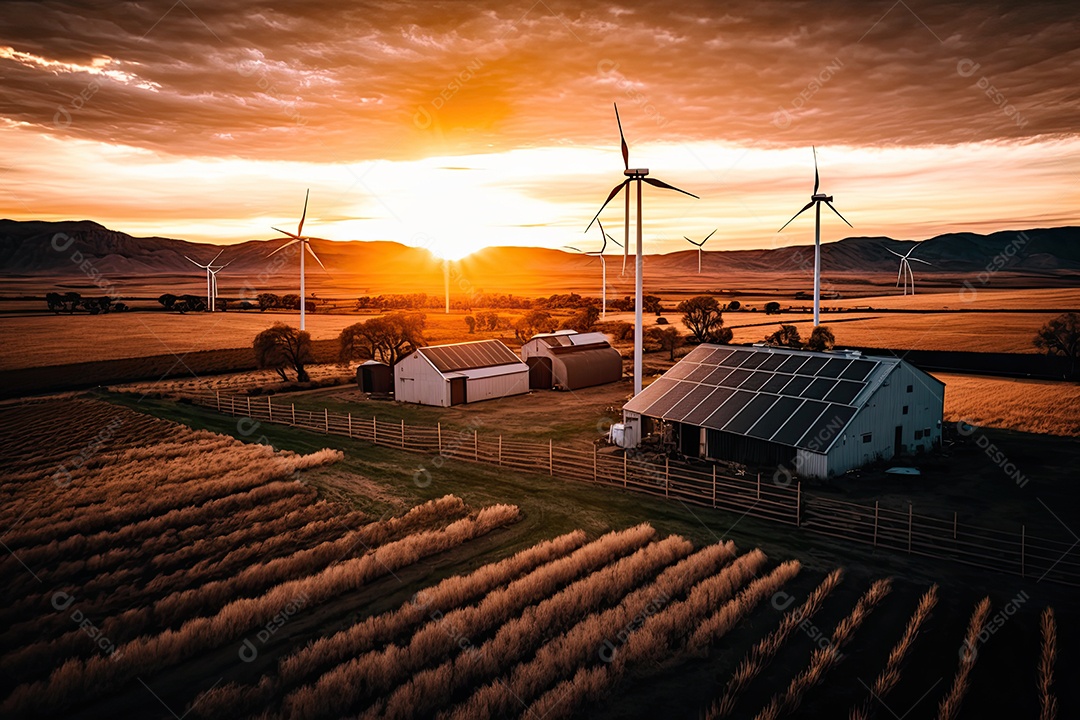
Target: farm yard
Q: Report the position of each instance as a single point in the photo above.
(237, 589)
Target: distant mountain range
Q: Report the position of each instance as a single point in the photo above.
(28, 249)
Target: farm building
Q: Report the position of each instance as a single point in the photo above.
(817, 414)
(375, 377)
(568, 360)
(461, 373)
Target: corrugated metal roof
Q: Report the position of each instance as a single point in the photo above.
(792, 397)
(469, 355)
(570, 338)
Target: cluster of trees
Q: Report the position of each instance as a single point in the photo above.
(535, 321)
(649, 304)
(821, 338)
(283, 346)
(69, 302)
(291, 301)
(195, 303)
(387, 338)
(496, 301)
(1061, 336)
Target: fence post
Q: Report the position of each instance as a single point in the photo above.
(269, 409)
(294, 413)
(475, 446)
(667, 475)
(326, 419)
(438, 427)
(714, 486)
(232, 405)
(1023, 547)
(374, 430)
(909, 514)
(500, 451)
(594, 475)
(249, 406)
(624, 471)
(875, 522)
(402, 432)
(551, 457)
(798, 504)
(350, 423)
(218, 394)
(759, 486)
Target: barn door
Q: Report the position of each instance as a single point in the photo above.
(541, 376)
(459, 391)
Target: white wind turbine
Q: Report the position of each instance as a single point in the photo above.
(636, 176)
(213, 278)
(905, 274)
(815, 201)
(603, 267)
(210, 285)
(305, 244)
(700, 247)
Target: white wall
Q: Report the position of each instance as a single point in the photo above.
(417, 381)
(497, 386)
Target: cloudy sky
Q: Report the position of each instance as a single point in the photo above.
(462, 124)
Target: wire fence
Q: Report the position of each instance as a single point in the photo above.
(892, 528)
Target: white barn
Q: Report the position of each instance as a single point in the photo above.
(815, 414)
(570, 360)
(461, 373)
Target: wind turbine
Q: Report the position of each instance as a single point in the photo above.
(603, 267)
(635, 175)
(305, 244)
(209, 279)
(213, 278)
(699, 247)
(905, 268)
(815, 201)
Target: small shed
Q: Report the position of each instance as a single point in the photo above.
(569, 360)
(468, 372)
(817, 414)
(375, 377)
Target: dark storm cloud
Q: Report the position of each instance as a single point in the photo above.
(333, 81)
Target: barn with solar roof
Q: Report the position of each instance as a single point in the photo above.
(820, 414)
(468, 372)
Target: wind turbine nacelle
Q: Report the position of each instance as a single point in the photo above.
(821, 196)
(636, 172)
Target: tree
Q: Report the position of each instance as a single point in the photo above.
(389, 338)
(55, 302)
(470, 321)
(168, 300)
(772, 308)
(668, 338)
(534, 322)
(282, 347)
(291, 301)
(786, 336)
(1061, 336)
(821, 339)
(267, 301)
(651, 304)
(72, 301)
(120, 307)
(702, 316)
(734, 305)
(583, 320)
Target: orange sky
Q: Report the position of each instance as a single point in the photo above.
(459, 125)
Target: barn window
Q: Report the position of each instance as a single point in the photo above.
(905, 409)
(926, 432)
(867, 437)
(918, 434)
(910, 388)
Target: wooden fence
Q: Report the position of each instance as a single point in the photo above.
(898, 529)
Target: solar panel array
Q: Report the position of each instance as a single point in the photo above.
(784, 397)
(469, 356)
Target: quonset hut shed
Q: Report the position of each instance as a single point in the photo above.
(461, 373)
(819, 413)
(569, 360)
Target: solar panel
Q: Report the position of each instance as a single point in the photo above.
(844, 392)
(773, 361)
(663, 405)
(731, 407)
(698, 415)
(718, 356)
(737, 358)
(756, 380)
(750, 414)
(690, 401)
(833, 368)
(680, 370)
(792, 363)
(775, 383)
(812, 365)
(800, 421)
(467, 356)
(700, 373)
(716, 377)
(858, 370)
(777, 415)
(818, 389)
(641, 402)
(828, 425)
(754, 360)
(796, 385)
(696, 355)
(736, 378)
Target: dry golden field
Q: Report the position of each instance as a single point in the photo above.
(1035, 406)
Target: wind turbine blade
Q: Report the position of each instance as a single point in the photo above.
(617, 243)
(603, 237)
(661, 184)
(918, 260)
(895, 253)
(285, 232)
(300, 229)
(216, 256)
(291, 242)
(817, 179)
(616, 191)
(709, 236)
(193, 262)
(571, 247)
(694, 242)
(622, 140)
(316, 258)
(806, 207)
(838, 214)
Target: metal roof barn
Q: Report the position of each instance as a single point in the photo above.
(806, 413)
(569, 360)
(446, 375)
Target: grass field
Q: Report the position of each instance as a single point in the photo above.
(1026, 405)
